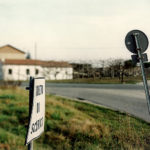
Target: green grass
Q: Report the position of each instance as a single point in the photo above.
(70, 125)
(104, 80)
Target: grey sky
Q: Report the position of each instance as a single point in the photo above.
(72, 29)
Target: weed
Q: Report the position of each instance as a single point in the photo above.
(3, 137)
(70, 125)
(56, 115)
(12, 97)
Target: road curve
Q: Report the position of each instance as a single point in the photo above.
(129, 98)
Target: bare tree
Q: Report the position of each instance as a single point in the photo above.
(116, 68)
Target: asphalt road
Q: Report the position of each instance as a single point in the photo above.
(128, 98)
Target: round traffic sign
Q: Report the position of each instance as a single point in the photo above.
(130, 41)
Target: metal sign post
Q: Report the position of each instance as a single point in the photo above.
(30, 146)
(136, 35)
(30, 88)
(137, 42)
(36, 110)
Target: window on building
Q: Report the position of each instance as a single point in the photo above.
(9, 71)
(36, 71)
(27, 71)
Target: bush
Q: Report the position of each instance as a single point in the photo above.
(3, 137)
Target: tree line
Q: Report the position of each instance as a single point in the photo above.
(112, 68)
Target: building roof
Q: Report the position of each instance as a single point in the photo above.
(36, 62)
(14, 48)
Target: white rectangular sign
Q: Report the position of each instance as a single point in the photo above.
(37, 118)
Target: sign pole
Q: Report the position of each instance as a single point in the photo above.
(137, 42)
(30, 145)
(142, 69)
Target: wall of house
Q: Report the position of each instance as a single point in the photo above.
(57, 73)
(8, 52)
(23, 72)
(10, 56)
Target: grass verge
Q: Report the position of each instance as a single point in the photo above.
(70, 125)
(104, 80)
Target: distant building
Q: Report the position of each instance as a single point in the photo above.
(14, 67)
(10, 52)
(19, 69)
(82, 70)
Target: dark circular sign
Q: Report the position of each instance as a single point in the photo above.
(130, 41)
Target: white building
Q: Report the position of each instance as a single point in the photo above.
(21, 69)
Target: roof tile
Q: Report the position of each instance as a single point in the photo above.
(36, 62)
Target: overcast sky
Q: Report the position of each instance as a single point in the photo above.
(72, 29)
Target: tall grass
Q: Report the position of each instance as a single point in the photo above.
(70, 125)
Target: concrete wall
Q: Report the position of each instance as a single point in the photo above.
(19, 72)
(57, 73)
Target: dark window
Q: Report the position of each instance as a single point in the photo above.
(27, 71)
(36, 71)
(9, 71)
